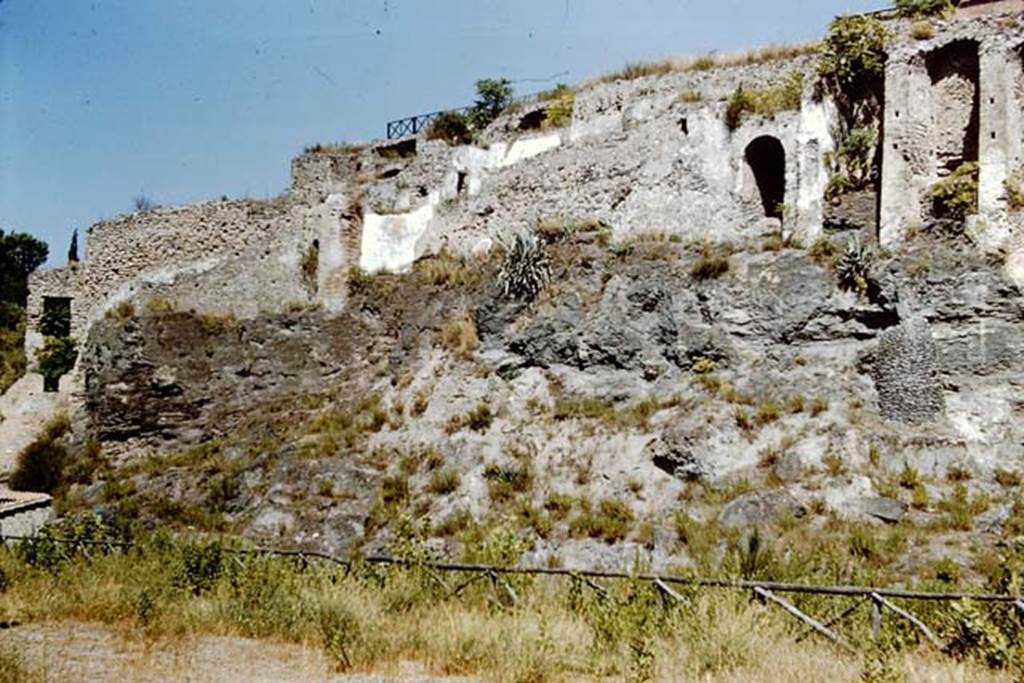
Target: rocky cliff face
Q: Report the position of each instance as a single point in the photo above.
(642, 389)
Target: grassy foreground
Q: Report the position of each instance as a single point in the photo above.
(374, 618)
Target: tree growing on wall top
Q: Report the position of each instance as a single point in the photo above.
(493, 97)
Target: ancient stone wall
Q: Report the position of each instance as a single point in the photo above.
(951, 99)
(240, 257)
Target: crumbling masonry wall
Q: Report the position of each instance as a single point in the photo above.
(954, 98)
(239, 257)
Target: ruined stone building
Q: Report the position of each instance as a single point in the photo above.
(643, 154)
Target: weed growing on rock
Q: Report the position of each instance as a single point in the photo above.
(922, 30)
(1008, 478)
(712, 262)
(444, 482)
(506, 481)
(854, 267)
(610, 522)
(459, 336)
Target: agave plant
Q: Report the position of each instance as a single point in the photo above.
(854, 267)
(526, 269)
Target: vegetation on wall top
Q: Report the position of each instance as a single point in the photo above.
(915, 9)
(457, 128)
(771, 53)
(853, 55)
(852, 71)
(784, 96)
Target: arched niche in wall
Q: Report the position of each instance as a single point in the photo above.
(766, 160)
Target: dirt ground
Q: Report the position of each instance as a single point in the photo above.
(88, 653)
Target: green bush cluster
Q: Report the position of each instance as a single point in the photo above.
(915, 9)
(853, 163)
(956, 196)
(610, 522)
(561, 100)
(784, 96)
(461, 128)
(853, 54)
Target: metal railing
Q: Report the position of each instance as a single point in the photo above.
(413, 125)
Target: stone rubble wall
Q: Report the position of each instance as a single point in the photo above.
(239, 257)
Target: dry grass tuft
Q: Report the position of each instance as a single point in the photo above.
(771, 53)
(460, 336)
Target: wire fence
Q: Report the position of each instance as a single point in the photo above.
(880, 600)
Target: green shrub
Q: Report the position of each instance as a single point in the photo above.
(922, 30)
(853, 163)
(854, 267)
(160, 304)
(956, 197)
(12, 346)
(1014, 186)
(334, 148)
(610, 522)
(915, 9)
(635, 70)
(394, 490)
(494, 95)
(480, 418)
(561, 101)
(200, 566)
(452, 127)
(853, 54)
(56, 358)
(784, 96)
(40, 466)
(974, 635)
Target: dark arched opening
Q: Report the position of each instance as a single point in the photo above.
(767, 161)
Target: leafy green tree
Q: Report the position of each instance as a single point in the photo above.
(56, 359)
(493, 97)
(20, 255)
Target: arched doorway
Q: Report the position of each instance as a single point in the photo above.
(766, 159)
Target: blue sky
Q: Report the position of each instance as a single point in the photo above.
(183, 100)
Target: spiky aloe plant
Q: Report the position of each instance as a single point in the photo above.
(854, 267)
(526, 269)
